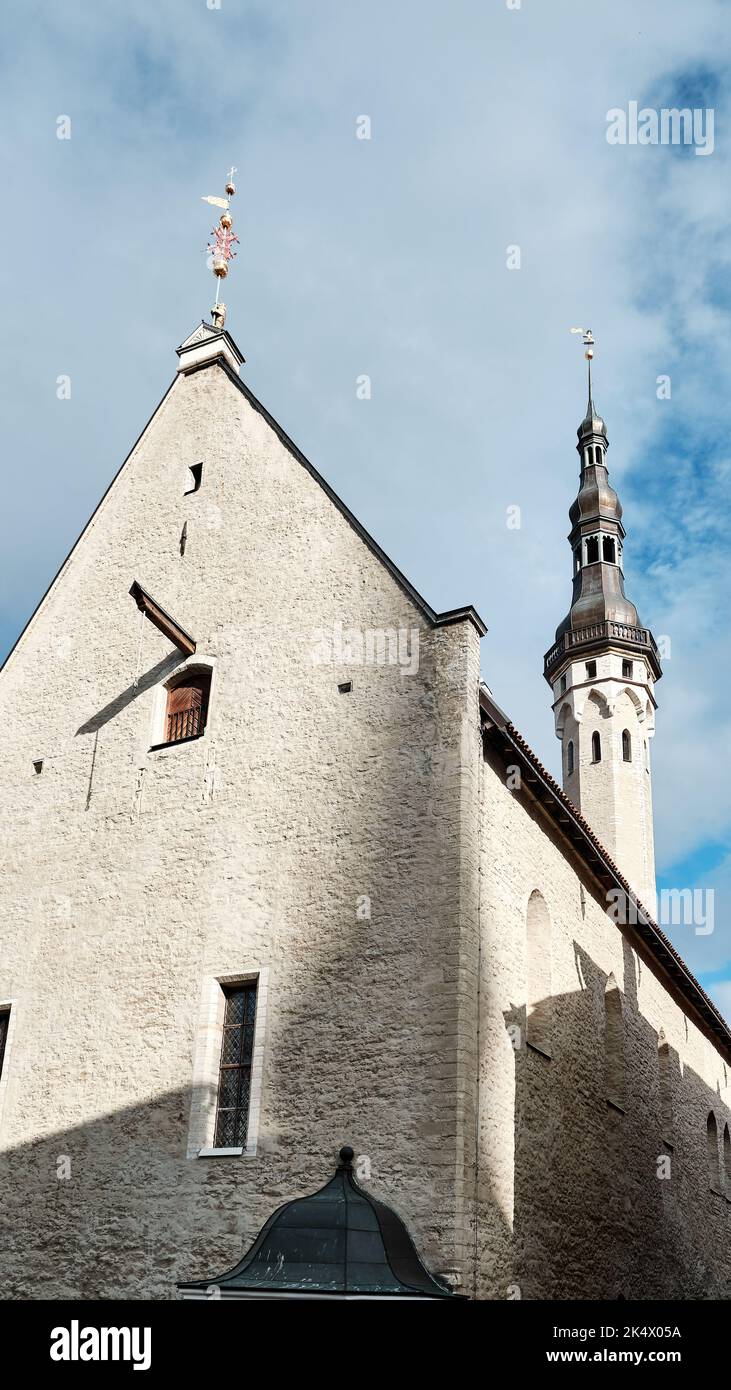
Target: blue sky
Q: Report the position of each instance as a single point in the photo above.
(388, 257)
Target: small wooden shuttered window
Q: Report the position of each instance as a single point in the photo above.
(4, 1022)
(234, 1085)
(187, 707)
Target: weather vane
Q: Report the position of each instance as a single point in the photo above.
(221, 247)
(588, 341)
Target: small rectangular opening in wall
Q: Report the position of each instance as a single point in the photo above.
(345, 687)
(4, 1029)
(196, 472)
(591, 670)
(37, 766)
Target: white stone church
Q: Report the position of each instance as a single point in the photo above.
(279, 878)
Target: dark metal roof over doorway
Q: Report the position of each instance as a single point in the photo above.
(338, 1242)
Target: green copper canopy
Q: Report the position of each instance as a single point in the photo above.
(337, 1241)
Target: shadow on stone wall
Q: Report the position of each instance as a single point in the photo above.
(94, 1211)
(146, 681)
(112, 1208)
(360, 1046)
(592, 1217)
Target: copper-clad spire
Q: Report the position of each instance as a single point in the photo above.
(221, 247)
(597, 534)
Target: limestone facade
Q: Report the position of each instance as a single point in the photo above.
(591, 1184)
(364, 854)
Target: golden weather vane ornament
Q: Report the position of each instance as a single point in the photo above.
(587, 338)
(220, 249)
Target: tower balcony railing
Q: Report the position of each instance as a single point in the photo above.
(595, 633)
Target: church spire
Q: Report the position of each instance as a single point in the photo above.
(602, 669)
(597, 533)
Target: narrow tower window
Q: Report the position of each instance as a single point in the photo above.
(614, 1045)
(627, 669)
(597, 454)
(712, 1153)
(608, 551)
(234, 1085)
(626, 746)
(577, 559)
(592, 550)
(539, 1004)
(591, 670)
(187, 706)
(570, 757)
(596, 747)
(727, 1160)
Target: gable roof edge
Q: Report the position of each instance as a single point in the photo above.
(445, 619)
